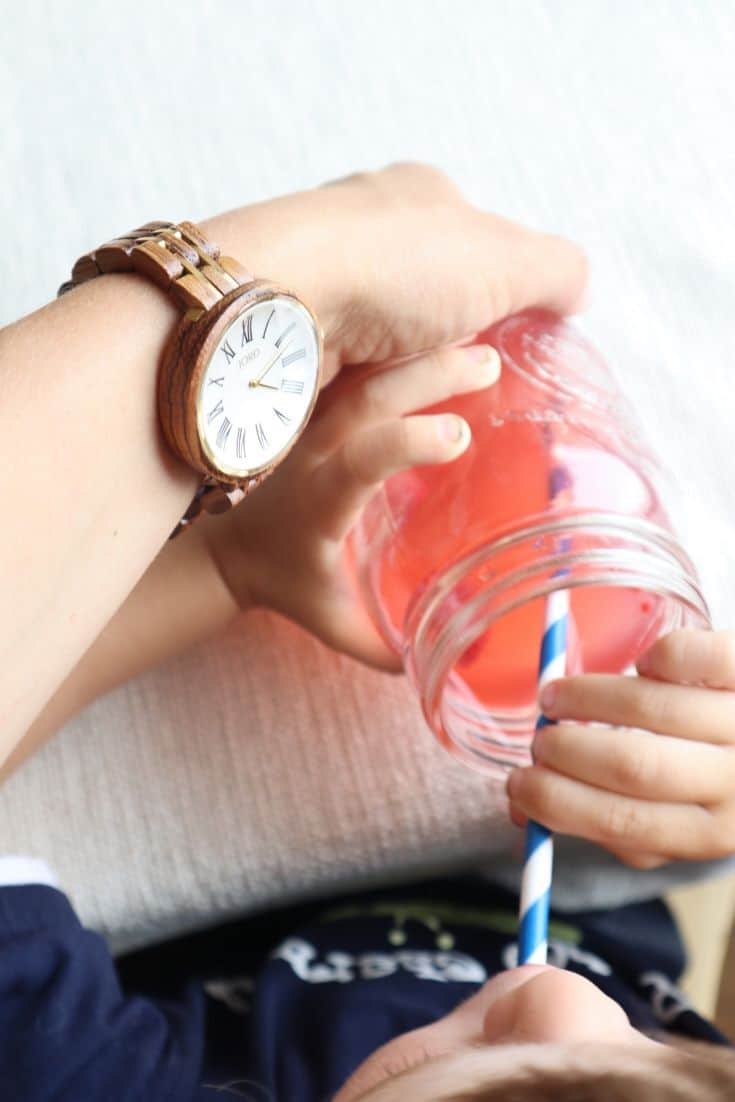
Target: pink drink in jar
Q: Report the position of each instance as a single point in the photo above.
(455, 562)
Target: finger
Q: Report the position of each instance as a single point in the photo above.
(682, 711)
(692, 657)
(401, 389)
(345, 482)
(517, 817)
(638, 763)
(636, 860)
(571, 807)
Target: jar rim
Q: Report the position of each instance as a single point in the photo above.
(631, 553)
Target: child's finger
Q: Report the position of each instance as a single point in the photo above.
(568, 806)
(692, 657)
(639, 860)
(345, 482)
(682, 711)
(401, 389)
(638, 763)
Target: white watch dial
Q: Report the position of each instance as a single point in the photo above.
(258, 387)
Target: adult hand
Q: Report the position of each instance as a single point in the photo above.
(397, 262)
(398, 266)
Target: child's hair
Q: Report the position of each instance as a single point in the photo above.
(688, 1072)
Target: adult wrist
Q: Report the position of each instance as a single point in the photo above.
(234, 435)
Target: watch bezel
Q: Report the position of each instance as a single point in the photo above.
(185, 361)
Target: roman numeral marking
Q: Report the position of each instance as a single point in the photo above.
(260, 433)
(217, 382)
(215, 412)
(268, 322)
(240, 443)
(229, 351)
(293, 357)
(285, 333)
(247, 329)
(224, 432)
(282, 416)
(292, 386)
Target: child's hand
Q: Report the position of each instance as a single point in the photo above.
(283, 547)
(658, 783)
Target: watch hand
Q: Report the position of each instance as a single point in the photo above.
(268, 366)
(266, 369)
(266, 386)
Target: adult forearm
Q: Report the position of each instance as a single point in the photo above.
(89, 491)
(181, 600)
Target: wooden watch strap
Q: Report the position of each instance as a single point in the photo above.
(176, 257)
(180, 260)
(213, 498)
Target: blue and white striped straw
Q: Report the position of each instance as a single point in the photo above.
(533, 932)
(539, 856)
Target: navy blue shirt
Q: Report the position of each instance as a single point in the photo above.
(293, 1001)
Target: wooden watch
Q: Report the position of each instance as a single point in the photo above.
(240, 374)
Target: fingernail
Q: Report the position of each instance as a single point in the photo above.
(488, 359)
(454, 429)
(512, 784)
(643, 664)
(547, 696)
(517, 817)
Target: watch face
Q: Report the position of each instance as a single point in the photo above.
(259, 386)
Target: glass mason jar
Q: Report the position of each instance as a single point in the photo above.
(556, 491)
